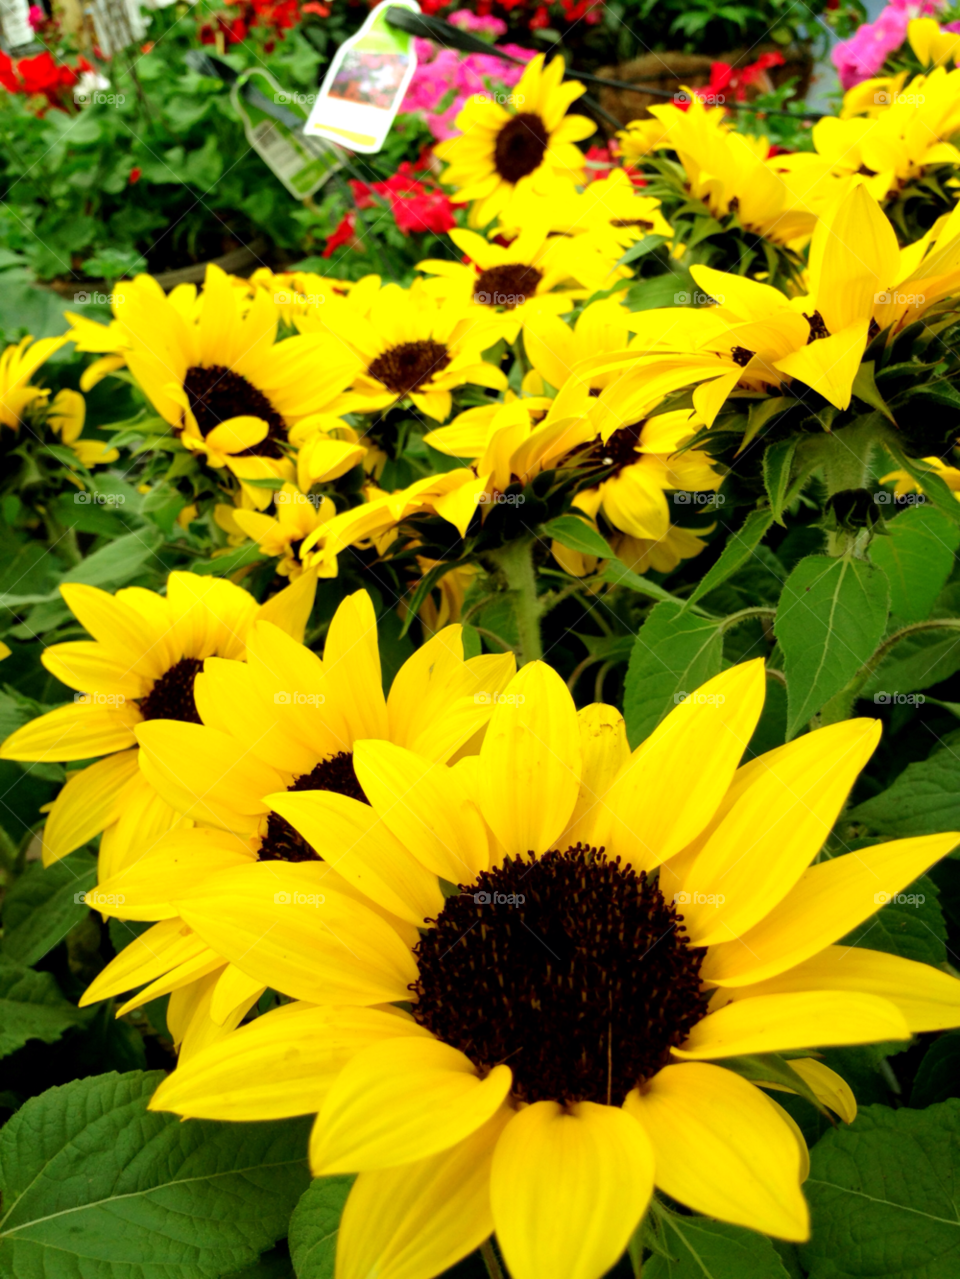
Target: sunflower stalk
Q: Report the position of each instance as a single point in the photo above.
(515, 562)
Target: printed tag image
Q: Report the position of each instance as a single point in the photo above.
(365, 85)
(302, 164)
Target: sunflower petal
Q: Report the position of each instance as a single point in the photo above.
(87, 803)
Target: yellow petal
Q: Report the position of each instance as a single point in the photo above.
(828, 901)
(829, 365)
(300, 1049)
(807, 1019)
(351, 660)
(674, 782)
(603, 741)
(829, 1087)
(568, 1189)
(279, 924)
(401, 1101)
(159, 949)
(416, 1221)
(290, 608)
(530, 762)
(928, 998)
(772, 823)
(87, 803)
(78, 731)
(722, 1148)
(119, 627)
(91, 668)
(428, 807)
(350, 836)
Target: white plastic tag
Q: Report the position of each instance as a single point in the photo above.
(302, 164)
(365, 85)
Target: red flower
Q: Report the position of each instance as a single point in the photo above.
(345, 234)
(322, 10)
(8, 77)
(135, 174)
(540, 19)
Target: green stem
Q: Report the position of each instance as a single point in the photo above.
(515, 559)
(491, 1260)
(745, 614)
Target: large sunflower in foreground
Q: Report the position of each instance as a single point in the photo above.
(139, 666)
(563, 1034)
(286, 720)
(497, 150)
(217, 375)
(409, 345)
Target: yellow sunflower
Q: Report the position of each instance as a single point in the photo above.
(284, 719)
(409, 345)
(297, 516)
(139, 666)
(215, 373)
(631, 925)
(498, 150)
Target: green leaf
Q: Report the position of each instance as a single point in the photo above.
(917, 556)
(931, 484)
(938, 1076)
(762, 412)
(31, 1007)
(830, 619)
(924, 799)
(617, 574)
(675, 652)
(162, 505)
(883, 1196)
(224, 565)
(577, 535)
(768, 1068)
(98, 1187)
(704, 1249)
(423, 589)
(917, 661)
(42, 906)
(865, 388)
(314, 1226)
(777, 466)
(740, 546)
(119, 561)
(911, 925)
(642, 248)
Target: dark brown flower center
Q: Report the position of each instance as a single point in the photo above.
(817, 327)
(520, 147)
(624, 222)
(570, 968)
(217, 394)
(407, 367)
(742, 356)
(284, 844)
(172, 695)
(621, 448)
(508, 286)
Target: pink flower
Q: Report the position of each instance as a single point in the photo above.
(441, 72)
(863, 55)
(482, 26)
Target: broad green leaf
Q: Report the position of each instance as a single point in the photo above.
(118, 562)
(740, 546)
(275, 1264)
(98, 1187)
(938, 1076)
(762, 412)
(44, 904)
(705, 1249)
(911, 925)
(314, 1226)
(162, 505)
(883, 1195)
(617, 574)
(577, 535)
(924, 799)
(224, 565)
(31, 1007)
(915, 662)
(830, 619)
(777, 466)
(917, 556)
(674, 653)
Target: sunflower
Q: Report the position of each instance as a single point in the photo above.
(520, 277)
(297, 516)
(214, 372)
(565, 1032)
(138, 667)
(409, 345)
(498, 151)
(284, 719)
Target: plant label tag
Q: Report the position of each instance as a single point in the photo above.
(302, 164)
(17, 30)
(365, 85)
